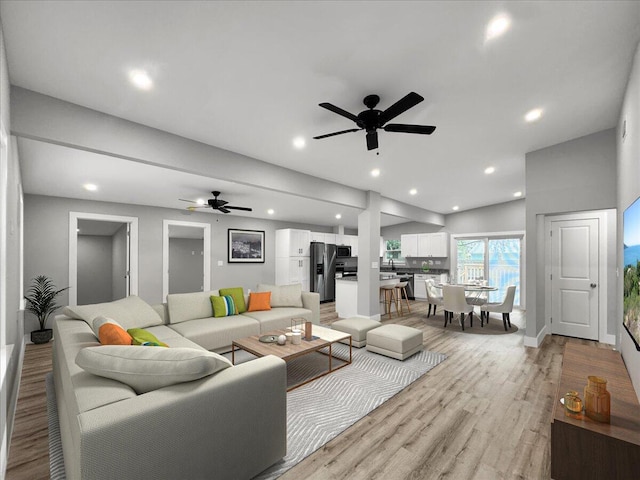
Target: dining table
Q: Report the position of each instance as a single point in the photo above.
(475, 293)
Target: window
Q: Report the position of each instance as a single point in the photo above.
(494, 259)
(393, 252)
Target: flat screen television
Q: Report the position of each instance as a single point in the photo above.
(631, 253)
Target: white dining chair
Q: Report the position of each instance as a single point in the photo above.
(432, 297)
(505, 307)
(456, 302)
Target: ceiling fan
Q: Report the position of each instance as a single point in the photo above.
(372, 119)
(216, 204)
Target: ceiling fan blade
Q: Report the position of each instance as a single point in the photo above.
(401, 127)
(246, 209)
(401, 106)
(372, 140)
(183, 200)
(223, 209)
(192, 208)
(337, 133)
(339, 111)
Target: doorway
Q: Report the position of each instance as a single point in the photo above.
(103, 257)
(576, 251)
(186, 257)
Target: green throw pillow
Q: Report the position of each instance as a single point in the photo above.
(223, 306)
(145, 338)
(238, 297)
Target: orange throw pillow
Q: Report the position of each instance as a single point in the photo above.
(259, 301)
(112, 334)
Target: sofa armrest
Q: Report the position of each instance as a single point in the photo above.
(230, 425)
(311, 301)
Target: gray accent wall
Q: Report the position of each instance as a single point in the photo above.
(503, 217)
(185, 265)
(95, 269)
(51, 215)
(628, 163)
(578, 175)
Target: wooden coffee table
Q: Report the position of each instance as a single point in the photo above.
(326, 337)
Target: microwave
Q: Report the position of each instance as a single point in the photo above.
(343, 251)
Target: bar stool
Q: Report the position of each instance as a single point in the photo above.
(401, 288)
(389, 296)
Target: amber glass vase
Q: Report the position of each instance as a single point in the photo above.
(597, 400)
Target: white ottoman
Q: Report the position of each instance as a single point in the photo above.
(357, 327)
(396, 341)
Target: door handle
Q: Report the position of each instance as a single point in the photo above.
(594, 285)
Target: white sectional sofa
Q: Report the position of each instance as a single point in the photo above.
(229, 425)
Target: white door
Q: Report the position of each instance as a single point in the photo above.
(575, 278)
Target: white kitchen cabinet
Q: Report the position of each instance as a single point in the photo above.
(352, 241)
(409, 245)
(322, 237)
(292, 257)
(383, 248)
(291, 270)
(432, 244)
(291, 242)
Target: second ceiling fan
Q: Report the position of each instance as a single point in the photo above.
(371, 120)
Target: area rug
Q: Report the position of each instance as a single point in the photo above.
(316, 412)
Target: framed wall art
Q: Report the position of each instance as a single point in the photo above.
(246, 246)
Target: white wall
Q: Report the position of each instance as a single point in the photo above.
(11, 315)
(503, 217)
(628, 182)
(578, 175)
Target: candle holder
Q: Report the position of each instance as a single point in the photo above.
(597, 400)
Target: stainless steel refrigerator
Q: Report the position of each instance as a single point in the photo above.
(323, 270)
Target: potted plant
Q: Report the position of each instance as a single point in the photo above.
(40, 299)
(425, 266)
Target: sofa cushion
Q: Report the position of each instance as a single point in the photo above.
(189, 306)
(129, 312)
(278, 318)
(217, 333)
(259, 301)
(143, 337)
(147, 369)
(110, 332)
(283, 295)
(223, 306)
(238, 297)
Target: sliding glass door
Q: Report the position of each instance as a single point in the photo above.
(494, 259)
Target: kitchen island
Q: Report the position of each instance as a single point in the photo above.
(347, 293)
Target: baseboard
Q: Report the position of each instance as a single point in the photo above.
(536, 341)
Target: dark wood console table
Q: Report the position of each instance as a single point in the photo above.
(585, 449)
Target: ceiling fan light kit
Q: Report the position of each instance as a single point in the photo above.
(371, 120)
(216, 204)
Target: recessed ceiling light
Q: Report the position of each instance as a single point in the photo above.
(413, 191)
(141, 79)
(517, 194)
(200, 201)
(456, 208)
(533, 115)
(497, 26)
(338, 216)
(271, 211)
(489, 170)
(375, 172)
(299, 143)
(90, 186)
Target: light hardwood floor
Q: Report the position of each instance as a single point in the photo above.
(484, 413)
